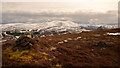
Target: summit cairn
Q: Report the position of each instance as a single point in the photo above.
(27, 42)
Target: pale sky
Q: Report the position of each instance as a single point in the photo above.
(101, 11)
(59, 0)
(82, 5)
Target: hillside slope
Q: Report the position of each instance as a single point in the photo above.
(89, 48)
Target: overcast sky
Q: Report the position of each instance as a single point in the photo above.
(98, 11)
(55, 0)
(73, 5)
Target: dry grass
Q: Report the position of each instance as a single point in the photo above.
(77, 52)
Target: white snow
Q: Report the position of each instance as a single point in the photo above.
(23, 31)
(60, 27)
(1, 36)
(113, 33)
(17, 36)
(3, 40)
(56, 25)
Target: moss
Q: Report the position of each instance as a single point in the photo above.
(28, 56)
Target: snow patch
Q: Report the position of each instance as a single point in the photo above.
(113, 34)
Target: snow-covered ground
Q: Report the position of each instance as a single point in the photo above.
(53, 26)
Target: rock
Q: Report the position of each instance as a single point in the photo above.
(97, 35)
(26, 42)
(65, 41)
(101, 27)
(61, 42)
(102, 45)
(53, 48)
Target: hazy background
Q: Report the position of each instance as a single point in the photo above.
(78, 11)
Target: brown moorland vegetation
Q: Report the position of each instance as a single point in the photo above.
(89, 48)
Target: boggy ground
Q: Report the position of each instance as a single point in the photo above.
(87, 49)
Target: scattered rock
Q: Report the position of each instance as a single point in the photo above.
(69, 38)
(60, 42)
(97, 35)
(102, 45)
(101, 27)
(53, 48)
(78, 37)
(65, 41)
